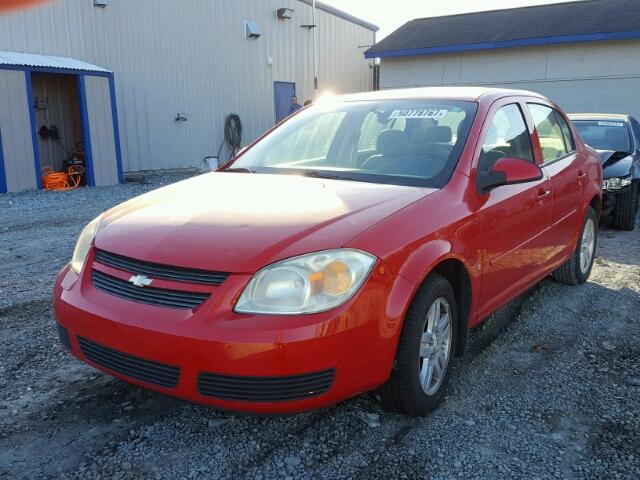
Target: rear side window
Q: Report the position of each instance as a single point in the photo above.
(552, 140)
(566, 132)
(507, 136)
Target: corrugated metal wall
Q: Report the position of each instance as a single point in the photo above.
(103, 146)
(593, 76)
(191, 57)
(15, 125)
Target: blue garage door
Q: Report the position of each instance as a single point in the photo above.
(283, 93)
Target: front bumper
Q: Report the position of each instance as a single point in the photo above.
(253, 363)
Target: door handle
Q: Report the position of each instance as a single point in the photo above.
(581, 174)
(544, 193)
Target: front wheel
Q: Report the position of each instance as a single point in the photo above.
(425, 351)
(577, 268)
(624, 215)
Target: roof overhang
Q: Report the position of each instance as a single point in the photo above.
(523, 42)
(36, 62)
(344, 15)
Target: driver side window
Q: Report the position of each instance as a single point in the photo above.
(507, 136)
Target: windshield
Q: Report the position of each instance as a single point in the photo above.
(415, 142)
(605, 135)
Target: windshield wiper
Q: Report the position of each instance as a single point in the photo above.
(328, 176)
(239, 170)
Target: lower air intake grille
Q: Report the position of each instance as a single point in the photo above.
(265, 389)
(63, 334)
(134, 367)
(153, 296)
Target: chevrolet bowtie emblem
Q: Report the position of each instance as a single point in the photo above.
(140, 281)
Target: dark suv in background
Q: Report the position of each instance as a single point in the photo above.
(617, 139)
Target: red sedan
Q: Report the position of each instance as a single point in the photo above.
(351, 248)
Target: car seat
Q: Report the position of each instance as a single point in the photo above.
(391, 147)
(489, 157)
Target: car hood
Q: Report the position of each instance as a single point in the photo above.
(239, 222)
(615, 164)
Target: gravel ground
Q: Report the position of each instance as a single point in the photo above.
(550, 388)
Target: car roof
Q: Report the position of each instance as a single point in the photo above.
(599, 116)
(471, 94)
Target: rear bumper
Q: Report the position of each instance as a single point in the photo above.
(254, 363)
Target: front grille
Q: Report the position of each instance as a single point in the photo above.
(265, 389)
(63, 335)
(134, 367)
(156, 270)
(160, 297)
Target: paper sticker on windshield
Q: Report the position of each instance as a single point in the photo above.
(434, 113)
(611, 124)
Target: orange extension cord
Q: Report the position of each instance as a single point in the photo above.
(68, 180)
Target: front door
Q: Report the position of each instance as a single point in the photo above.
(514, 219)
(283, 92)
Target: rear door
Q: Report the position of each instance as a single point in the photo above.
(564, 165)
(515, 219)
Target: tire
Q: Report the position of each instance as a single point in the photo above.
(624, 215)
(574, 271)
(404, 392)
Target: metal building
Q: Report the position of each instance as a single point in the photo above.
(584, 55)
(178, 68)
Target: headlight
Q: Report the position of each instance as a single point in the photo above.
(306, 284)
(84, 245)
(616, 183)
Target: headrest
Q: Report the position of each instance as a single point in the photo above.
(439, 134)
(392, 142)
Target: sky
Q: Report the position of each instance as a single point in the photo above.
(390, 14)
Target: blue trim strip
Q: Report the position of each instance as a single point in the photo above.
(3, 174)
(525, 42)
(66, 71)
(116, 127)
(86, 131)
(34, 134)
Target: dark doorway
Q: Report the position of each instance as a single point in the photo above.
(56, 101)
(283, 93)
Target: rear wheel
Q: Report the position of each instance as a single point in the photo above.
(577, 268)
(624, 215)
(425, 351)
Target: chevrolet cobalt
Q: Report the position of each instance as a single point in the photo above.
(349, 249)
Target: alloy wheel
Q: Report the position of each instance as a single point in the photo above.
(435, 346)
(587, 245)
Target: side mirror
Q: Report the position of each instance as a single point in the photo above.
(508, 171)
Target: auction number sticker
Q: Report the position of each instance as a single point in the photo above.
(434, 113)
(611, 124)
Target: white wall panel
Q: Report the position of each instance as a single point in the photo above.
(15, 124)
(190, 56)
(591, 76)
